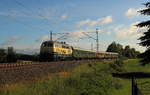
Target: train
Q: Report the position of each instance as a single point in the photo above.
(56, 51)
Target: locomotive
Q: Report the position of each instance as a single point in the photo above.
(54, 51)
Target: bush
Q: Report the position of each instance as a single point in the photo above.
(119, 62)
(3, 59)
(117, 66)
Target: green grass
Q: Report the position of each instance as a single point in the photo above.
(133, 65)
(93, 78)
(124, 90)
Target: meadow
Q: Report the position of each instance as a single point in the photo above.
(92, 78)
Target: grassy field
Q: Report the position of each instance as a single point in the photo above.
(133, 65)
(93, 78)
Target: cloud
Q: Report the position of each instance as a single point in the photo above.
(131, 12)
(105, 20)
(64, 16)
(46, 38)
(76, 34)
(43, 38)
(88, 22)
(11, 40)
(45, 14)
(134, 44)
(131, 31)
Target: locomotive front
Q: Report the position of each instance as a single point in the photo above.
(52, 50)
(46, 51)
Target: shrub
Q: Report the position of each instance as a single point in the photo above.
(119, 62)
(117, 66)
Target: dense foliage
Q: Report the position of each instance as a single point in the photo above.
(9, 55)
(145, 39)
(123, 52)
(2, 55)
(28, 57)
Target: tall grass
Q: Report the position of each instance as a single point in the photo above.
(93, 78)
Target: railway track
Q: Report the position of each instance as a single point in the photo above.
(18, 72)
(11, 66)
(15, 66)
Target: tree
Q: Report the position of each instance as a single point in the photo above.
(2, 55)
(126, 52)
(2, 52)
(11, 56)
(114, 47)
(145, 39)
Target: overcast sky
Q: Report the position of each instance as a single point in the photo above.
(24, 24)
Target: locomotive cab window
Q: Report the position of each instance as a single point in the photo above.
(47, 44)
(50, 45)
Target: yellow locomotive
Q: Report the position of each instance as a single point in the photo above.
(52, 50)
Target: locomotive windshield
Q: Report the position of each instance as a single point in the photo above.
(47, 44)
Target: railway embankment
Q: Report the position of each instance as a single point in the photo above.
(90, 78)
(12, 73)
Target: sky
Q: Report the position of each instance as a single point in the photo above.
(25, 24)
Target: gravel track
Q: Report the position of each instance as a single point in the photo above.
(31, 71)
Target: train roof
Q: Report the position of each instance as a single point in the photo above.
(108, 52)
(55, 42)
(95, 51)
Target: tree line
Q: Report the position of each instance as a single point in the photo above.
(126, 52)
(145, 38)
(9, 55)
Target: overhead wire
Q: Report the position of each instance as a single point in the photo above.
(39, 14)
(29, 10)
(17, 21)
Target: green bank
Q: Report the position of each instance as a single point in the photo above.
(92, 78)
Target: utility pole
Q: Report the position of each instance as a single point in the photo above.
(97, 40)
(51, 36)
(91, 46)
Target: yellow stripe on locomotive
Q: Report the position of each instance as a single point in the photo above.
(62, 50)
(56, 47)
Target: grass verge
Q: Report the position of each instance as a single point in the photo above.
(92, 78)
